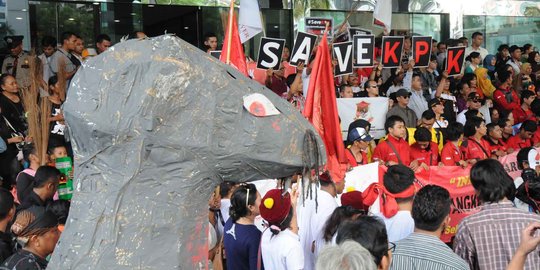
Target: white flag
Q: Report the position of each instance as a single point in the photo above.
(382, 14)
(249, 23)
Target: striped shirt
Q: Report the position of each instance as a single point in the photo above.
(489, 238)
(422, 251)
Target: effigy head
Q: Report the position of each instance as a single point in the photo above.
(155, 125)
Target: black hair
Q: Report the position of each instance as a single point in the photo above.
(440, 43)
(290, 79)
(529, 125)
(224, 188)
(340, 215)
(472, 124)
(28, 149)
(46, 174)
(328, 179)
(368, 231)
(48, 41)
(60, 208)
(535, 106)
(391, 122)
(468, 77)
(428, 114)
(397, 179)
(286, 223)
(208, 35)
(491, 182)
(67, 35)
(471, 113)
(433, 40)
(513, 48)
(422, 134)
(502, 122)
(491, 127)
(101, 37)
(52, 81)
(462, 39)
(526, 47)
(523, 156)
(531, 194)
(454, 131)
(459, 87)
(3, 79)
(502, 47)
(416, 74)
(431, 206)
(239, 208)
(503, 75)
(525, 95)
(6, 202)
(475, 34)
(471, 56)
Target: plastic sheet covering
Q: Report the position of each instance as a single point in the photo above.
(156, 124)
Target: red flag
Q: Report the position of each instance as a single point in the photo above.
(232, 52)
(321, 111)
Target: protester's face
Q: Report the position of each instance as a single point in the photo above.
(537, 58)
(10, 85)
(516, 54)
(505, 53)
(442, 48)
(465, 90)
(427, 123)
(482, 130)
(416, 83)
(373, 88)
(508, 128)
(433, 64)
(403, 101)
(438, 109)
(347, 92)
(59, 152)
(340, 186)
(79, 46)
(478, 40)
(493, 61)
(423, 145)
(71, 43)
(474, 104)
(496, 133)
(285, 55)
(434, 47)
(398, 131)
(529, 100)
(476, 60)
(255, 208)
(495, 116)
(528, 70)
(407, 44)
(526, 134)
(353, 80)
(48, 241)
(211, 43)
(361, 144)
(103, 46)
(473, 82)
(48, 51)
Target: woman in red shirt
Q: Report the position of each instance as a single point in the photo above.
(475, 148)
(358, 139)
(451, 154)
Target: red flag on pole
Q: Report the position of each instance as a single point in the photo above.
(321, 111)
(232, 52)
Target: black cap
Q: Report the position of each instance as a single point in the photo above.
(435, 101)
(403, 92)
(474, 97)
(13, 41)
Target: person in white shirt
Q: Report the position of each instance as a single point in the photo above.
(313, 214)
(48, 45)
(417, 102)
(515, 58)
(280, 244)
(476, 46)
(474, 102)
(398, 189)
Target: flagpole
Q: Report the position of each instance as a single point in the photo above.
(229, 33)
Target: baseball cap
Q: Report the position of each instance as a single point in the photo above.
(474, 97)
(402, 93)
(359, 133)
(435, 101)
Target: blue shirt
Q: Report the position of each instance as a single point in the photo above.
(241, 245)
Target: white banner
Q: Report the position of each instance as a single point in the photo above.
(249, 22)
(372, 110)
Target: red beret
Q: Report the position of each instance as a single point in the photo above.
(354, 199)
(275, 207)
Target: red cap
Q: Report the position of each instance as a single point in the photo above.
(274, 206)
(354, 198)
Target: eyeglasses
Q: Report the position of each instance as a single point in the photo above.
(391, 246)
(374, 86)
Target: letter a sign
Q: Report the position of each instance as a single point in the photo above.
(421, 51)
(343, 54)
(270, 51)
(454, 60)
(392, 49)
(303, 46)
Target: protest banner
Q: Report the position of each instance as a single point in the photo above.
(392, 49)
(353, 31)
(372, 110)
(216, 54)
(363, 50)
(454, 60)
(270, 52)
(316, 26)
(421, 51)
(458, 183)
(343, 54)
(303, 46)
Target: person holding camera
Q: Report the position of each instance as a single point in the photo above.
(528, 185)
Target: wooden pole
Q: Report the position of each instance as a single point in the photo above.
(229, 32)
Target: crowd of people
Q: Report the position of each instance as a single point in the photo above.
(489, 111)
(471, 120)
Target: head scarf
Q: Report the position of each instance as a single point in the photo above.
(387, 200)
(487, 62)
(483, 82)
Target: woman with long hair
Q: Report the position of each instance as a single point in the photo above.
(242, 238)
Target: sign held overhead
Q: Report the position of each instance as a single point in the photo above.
(270, 52)
(303, 47)
(392, 49)
(343, 54)
(363, 50)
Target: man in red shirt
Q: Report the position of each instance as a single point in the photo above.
(475, 148)
(395, 149)
(505, 97)
(451, 155)
(524, 112)
(524, 137)
(424, 150)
